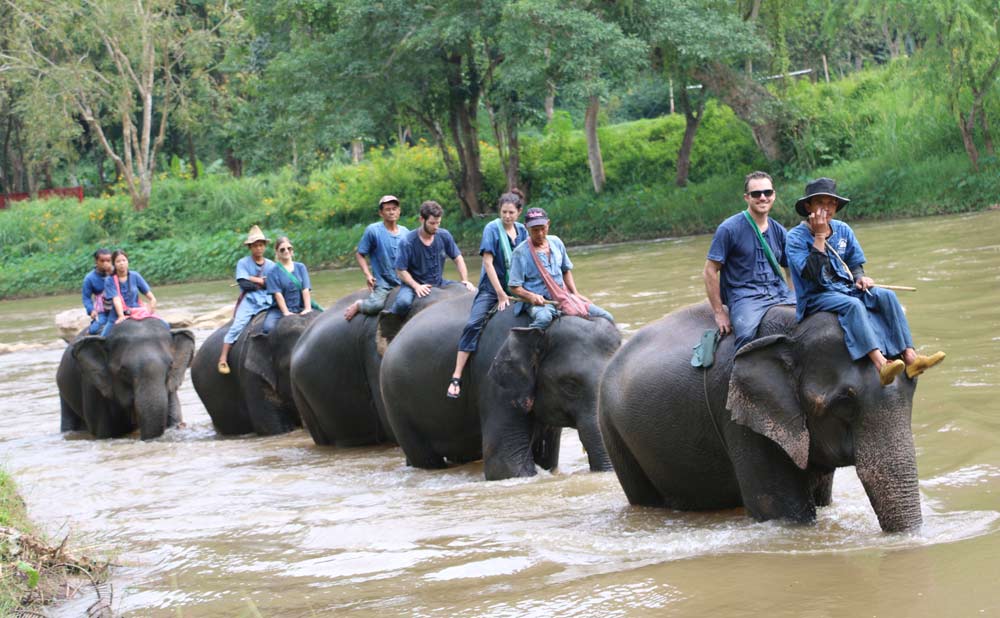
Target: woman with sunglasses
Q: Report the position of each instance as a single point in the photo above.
(288, 284)
(746, 269)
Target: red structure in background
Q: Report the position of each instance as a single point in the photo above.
(7, 198)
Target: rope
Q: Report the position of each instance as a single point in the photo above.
(708, 406)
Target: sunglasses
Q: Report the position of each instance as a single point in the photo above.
(284, 249)
(765, 192)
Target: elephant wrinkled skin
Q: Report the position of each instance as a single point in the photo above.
(256, 397)
(765, 427)
(335, 373)
(127, 381)
(520, 388)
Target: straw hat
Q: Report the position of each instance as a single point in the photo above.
(255, 235)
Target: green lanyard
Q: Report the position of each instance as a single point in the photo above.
(763, 243)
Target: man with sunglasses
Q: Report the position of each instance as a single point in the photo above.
(742, 270)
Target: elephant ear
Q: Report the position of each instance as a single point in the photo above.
(91, 353)
(183, 351)
(763, 395)
(515, 366)
(257, 358)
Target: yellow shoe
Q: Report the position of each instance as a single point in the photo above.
(890, 370)
(923, 363)
(224, 368)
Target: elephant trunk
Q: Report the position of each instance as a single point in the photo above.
(590, 436)
(886, 463)
(152, 408)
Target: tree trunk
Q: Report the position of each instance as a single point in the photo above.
(967, 124)
(192, 157)
(514, 158)
(594, 158)
(234, 165)
(357, 151)
(826, 70)
(750, 101)
(462, 120)
(984, 125)
(550, 102)
(692, 120)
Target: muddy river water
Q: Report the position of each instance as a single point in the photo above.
(205, 526)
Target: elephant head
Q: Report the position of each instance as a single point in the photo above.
(137, 369)
(825, 410)
(554, 374)
(270, 356)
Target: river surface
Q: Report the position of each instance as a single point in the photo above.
(205, 526)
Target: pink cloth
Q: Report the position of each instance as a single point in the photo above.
(568, 303)
(134, 313)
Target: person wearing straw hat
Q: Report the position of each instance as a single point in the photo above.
(828, 272)
(745, 267)
(251, 276)
(379, 244)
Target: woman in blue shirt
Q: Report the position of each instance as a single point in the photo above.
(289, 285)
(131, 285)
(499, 239)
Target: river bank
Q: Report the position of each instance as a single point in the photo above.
(35, 573)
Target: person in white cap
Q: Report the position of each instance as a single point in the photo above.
(379, 244)
(251, 276)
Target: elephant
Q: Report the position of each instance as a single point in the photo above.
(765, 427)
(111, 386)
(335, 372)
(519, 389)
(256, 397)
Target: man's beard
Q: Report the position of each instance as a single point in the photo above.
(429, 232)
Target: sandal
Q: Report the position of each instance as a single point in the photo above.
(224, 368)
(454, 382)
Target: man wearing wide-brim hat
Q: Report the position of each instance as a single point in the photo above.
(827, 266)
(251, 276)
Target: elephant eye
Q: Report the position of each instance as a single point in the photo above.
(571, 387)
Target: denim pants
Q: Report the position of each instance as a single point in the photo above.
(376, 300)
(873, 320)
(244, 314)
(482, 305)
(97, 326)
(542, 315)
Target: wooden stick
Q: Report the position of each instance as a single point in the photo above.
(898, 288)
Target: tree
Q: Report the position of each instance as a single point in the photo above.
(963, 46)
(110, 62)
(576, 47)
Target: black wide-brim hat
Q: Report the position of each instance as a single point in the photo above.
(820, 186)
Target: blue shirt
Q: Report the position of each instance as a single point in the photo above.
(524, 273)
(93, 285)
(837, 278)
(426, 263)
(746, 271)
(381, 248)
(493, 235)
(130, 288)
(246, 268)
(279, 281)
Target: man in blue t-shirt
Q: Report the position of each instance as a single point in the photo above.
(739, 273)
(93, 291)
(380, 244)
(420, 261)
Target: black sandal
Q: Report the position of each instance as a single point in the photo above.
(455, 382)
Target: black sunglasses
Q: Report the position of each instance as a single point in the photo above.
(764, 192)
(283, 249)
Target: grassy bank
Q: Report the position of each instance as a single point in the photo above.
(890, 144)
(34, 573)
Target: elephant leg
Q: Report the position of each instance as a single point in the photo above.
(174, 417)
(69, 420)
(822, 484)
(545, 446)
(771, 485)
(638, 488)
(507, 445)
(418, 453)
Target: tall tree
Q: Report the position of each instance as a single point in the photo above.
(577, 47)
(110, 62)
